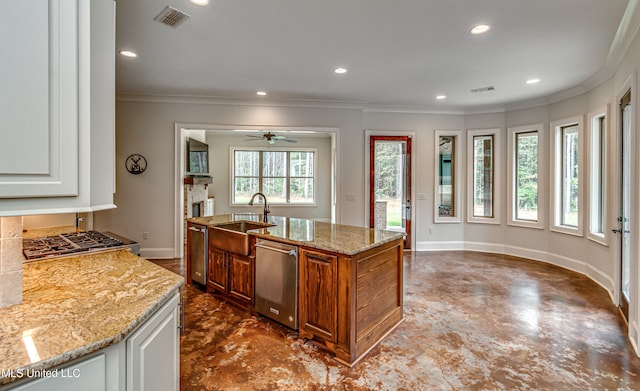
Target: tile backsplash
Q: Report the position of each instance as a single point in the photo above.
(10, 261)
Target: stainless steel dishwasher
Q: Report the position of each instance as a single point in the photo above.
(198, 254)
(277, 282)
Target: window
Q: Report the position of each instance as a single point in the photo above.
(598, 177)
(483, 204)
(447, 187)
(284, 176)
(566, 186)
(525, 176)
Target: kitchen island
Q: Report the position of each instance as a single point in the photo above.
(350, 279)
(85, 312)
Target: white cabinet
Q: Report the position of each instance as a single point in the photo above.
(153, 352)
(101, 371)
(57, 104)
(148, 359)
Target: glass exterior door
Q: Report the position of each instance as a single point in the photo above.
(390, 184)
(625, 203)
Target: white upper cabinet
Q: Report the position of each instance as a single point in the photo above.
(57, 104)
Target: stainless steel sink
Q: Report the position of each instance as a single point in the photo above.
(233, 236)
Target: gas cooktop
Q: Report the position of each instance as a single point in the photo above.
(64, 244)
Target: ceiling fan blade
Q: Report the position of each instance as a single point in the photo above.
(253, 139)
(271, 142)
(289, 140)
(254, 136)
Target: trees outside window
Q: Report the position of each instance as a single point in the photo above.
(597, 176)
(525, 176)
(285, 177)
(566, 192)
(526, 186)
(483, 182)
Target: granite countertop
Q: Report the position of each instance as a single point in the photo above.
(75, 305)
(337, 238)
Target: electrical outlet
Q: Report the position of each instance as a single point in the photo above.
(145, 235)
(430, 230)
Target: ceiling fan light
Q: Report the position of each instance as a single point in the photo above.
(480, 29)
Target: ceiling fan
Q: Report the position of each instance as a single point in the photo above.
(271, 138)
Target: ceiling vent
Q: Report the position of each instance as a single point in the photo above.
(171, 17)
(483, 89)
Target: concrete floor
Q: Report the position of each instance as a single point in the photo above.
(473, 321)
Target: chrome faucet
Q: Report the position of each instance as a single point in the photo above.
(266, 207)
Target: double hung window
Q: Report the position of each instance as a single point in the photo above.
(482, 181)
(598, 176)
(283, 176)
(525, 173)
(566, 192)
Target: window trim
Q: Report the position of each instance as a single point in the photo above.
(457, 164)
(497, 183)
(233, 149)
(595, 116)
(555, 182)
(511, 186)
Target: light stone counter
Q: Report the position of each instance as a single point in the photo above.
(337, 238)
(75, 305)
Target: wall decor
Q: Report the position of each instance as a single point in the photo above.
(136, 164)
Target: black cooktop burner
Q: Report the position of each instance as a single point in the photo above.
(67, 244)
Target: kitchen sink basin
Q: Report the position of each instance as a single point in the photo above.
(233, 236)
(243, 226)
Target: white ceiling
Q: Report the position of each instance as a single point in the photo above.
(399, 54)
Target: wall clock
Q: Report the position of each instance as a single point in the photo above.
(136, 164)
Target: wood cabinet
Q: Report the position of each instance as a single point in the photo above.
(349, 303)
(59, 102)
(218, 274)
(318, 281)
(231, 275)
(242, 278)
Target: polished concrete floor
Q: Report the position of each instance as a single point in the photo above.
(473, 321)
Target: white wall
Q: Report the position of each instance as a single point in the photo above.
(146, 202)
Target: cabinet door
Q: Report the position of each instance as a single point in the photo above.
(318, 294)
(218, 274)
(153, 352)
(88, 374)
(39, 99)
(241, 277)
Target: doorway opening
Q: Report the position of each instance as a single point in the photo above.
(186, 130)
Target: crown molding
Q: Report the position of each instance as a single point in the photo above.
(215, 100)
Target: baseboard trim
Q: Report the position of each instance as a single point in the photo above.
(440, 246)
(562, 261)
(157, 253)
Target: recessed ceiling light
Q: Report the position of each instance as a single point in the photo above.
(200, 2)
(533, 81)
(261, 93)
(441, 97)
(128, 53)
(340, 70)
(480, 29)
